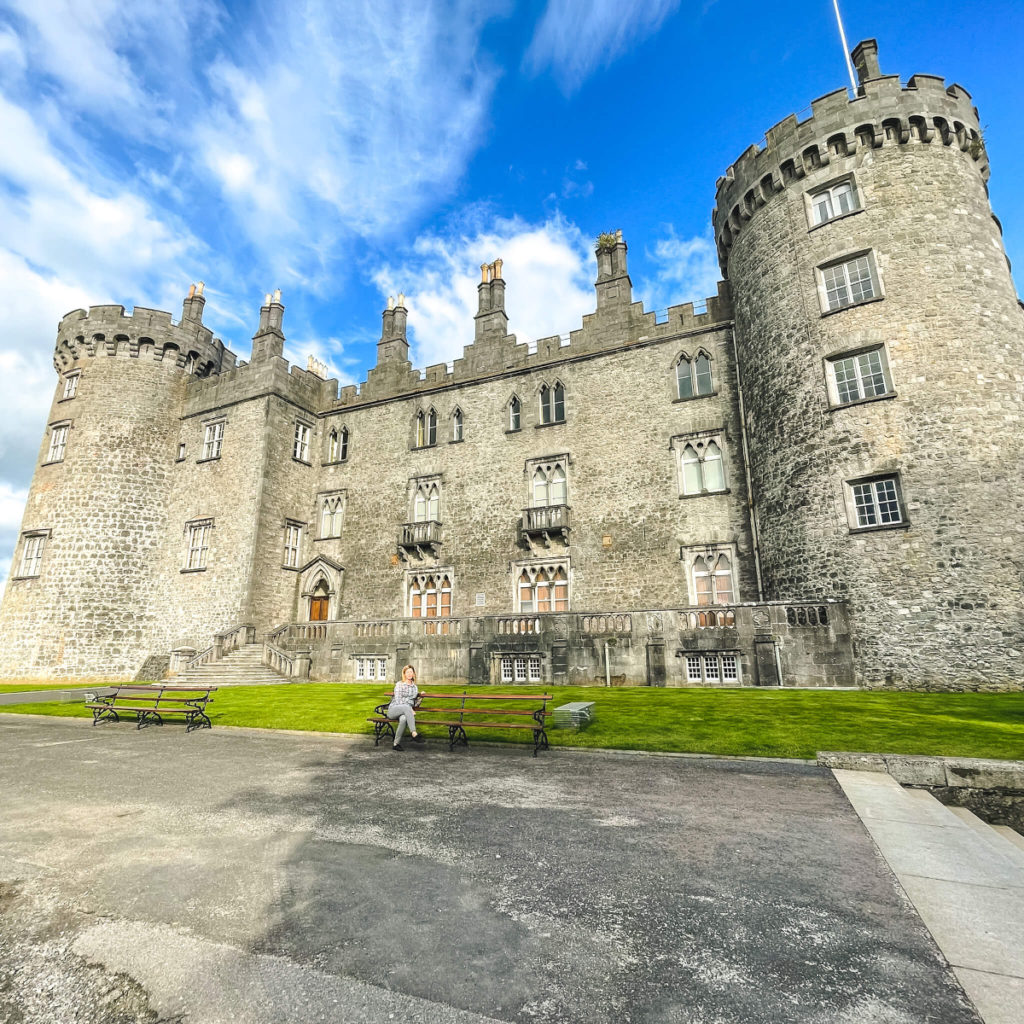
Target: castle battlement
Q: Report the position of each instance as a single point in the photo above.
(883, 113)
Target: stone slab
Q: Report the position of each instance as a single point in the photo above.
(998, 998)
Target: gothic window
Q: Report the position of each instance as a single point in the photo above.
(331, 509)
(70, 386)
(693, 377)
(457, 425)
(712, 579)
(549, 484)
(515, 413)
(543, 588)
(300, 450)
(426, 502)
(848, 282)
(292, 544)
(859, 375)
(702, 469)
(198, 543)
(834, 201)
(552, 404)
(213, 440)
(877, 502)
(426, 429)
(58, 442)
(31, 553)
(430, 596)
(337, 445)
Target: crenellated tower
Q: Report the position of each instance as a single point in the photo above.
(81, 587)
(879, 341)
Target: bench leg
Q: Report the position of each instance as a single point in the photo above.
(456, 734)
(144, 716)
(197, 720)
(380, 730)
(540, 741)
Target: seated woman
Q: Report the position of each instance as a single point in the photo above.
(403, 703)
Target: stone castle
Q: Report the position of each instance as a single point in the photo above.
(814, 479)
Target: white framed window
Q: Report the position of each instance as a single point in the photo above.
(848, 282)
(32, 545)
(457, 425)
(828, 203)
(58, 442)
(70, 386)
(197, 543)
(520, 668)
(369, 666)
(713, 579)
(292, 544)
(552, 403)
(426, 429)
(332, 508)
(548, 481)
(213, 440)
(713, 667)
(693, 376)
(877, 502)
(859, 375)
(515, 413)
(542, 588)
(701, 463)
(337, 445)
(181, 451)
(430, 595)
(300, 450)
(426, 502)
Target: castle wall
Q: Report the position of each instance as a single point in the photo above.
(934, 600)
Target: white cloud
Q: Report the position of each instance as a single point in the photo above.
(686, 269)
(577, 37)
(547, 269)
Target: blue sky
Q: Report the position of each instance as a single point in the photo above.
(346, 150)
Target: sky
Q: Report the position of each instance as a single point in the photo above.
(345, 150)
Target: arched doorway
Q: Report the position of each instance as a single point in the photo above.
(319, 602)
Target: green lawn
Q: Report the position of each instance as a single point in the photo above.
(771, 723)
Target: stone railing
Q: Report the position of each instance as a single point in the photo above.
(716, 617)
(606, 624)
(276, 635)
(308, 631)
(521, 625)
(420, 534)
(441, 627)
(807, 615)
(546, 519)
(231, 639)
(276, 659)
(206, 657)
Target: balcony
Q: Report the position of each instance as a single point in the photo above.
(544, 523)
(420, 540)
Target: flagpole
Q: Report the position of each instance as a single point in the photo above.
(846, 47)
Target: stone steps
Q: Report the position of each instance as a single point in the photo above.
(242, 667)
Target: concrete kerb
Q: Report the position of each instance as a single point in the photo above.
(932, 771)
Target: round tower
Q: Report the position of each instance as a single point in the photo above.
(79, 595)
(880, 342)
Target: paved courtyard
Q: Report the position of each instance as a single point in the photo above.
(231, 875)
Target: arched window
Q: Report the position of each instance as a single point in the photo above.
(333, 446)
(416, 600)
(421, 430)
(457, 425)
(515, 410)
(426, 429)
(543, 589)
(431, 427)
(426, 503)
(549, 485)
(712, 580)
(552, 404)
(343, 445)
(331, 516)
(722, 577)
(693, 378)
(561, 588)
(525, 592)
(703, 468)
(540, 488)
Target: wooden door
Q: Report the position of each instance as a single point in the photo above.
(318, 609)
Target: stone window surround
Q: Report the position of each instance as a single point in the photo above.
(851, 504)
(847, 258)
(438, 573)
(458, 422)
(321, 499)
(718, 655)
(416, 483)
(287, 527)
(205, 524)
(546, 462)
(507, 664)
(828, 364)
(300, 444)
(344, 440)
(534, 565)
(827, 186)
(423, 424)
(688, 555)
(692, 360)
(211, 424)
(376, 663)
(550, 407)
(333, 576)
(27, 536)
(513, 399)
(67, 426)
(74, 375)
(679, 442)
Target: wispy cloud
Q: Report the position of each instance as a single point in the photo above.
(686, 270)
(575, 38)
(547, 270)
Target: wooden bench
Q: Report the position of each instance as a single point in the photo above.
(149, 703)
(455, 712)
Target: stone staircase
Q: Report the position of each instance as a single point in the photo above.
(242, 667)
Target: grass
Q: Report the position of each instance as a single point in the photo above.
(768, 723)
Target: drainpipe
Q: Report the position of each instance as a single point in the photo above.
(746, 469)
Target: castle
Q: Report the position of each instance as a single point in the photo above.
(815, 480)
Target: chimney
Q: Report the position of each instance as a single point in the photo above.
(268, 341)
(490, 317)
(865, 60)
(393, 345)
(192, 308)
(613, 285)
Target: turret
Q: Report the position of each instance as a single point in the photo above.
(491, 318)
(613, 285)
(268, 341)
(394, 345)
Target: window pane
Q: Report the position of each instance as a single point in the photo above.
(525, 593)
(863, 498)
(513, 414)
(703, 375)
(714, 474)
(702, 584)
(420, 432)
(691, 471)
(360, 669)
(506, 669)
(684, 382)
(432, 503)
(843, 197)
(730, 668)
(419, 508)
(432, 427)
(888, 506)
(871, 373)
(343, 454)
(457, 426)
(382, 668)
(559, 403)
(693, 668)
(545, 404)
(722, 578)
(711, 668)
(822, 208)
(534, 668)
(847, 382)
(835, 287)
(540, 488)
(417, 601)
(861, 286)
(520, 670)
(543, 596)
(558, 486)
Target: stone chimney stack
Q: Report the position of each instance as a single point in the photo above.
(192, 308)
(865, 60)
(613, 285)
(268, 341)
(394, 345)
(490, 317)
